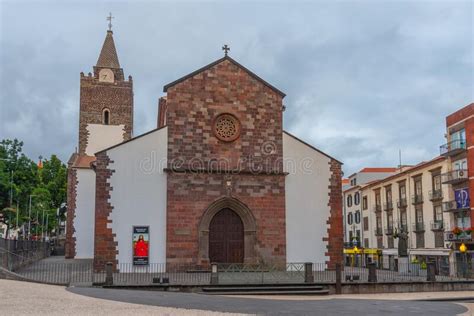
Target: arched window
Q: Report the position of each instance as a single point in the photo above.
(349, 200)
(357, 217)
(356, 198)
(350, 219)
(106, 117)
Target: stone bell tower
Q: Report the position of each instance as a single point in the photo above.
(105, 119)
(106, 103)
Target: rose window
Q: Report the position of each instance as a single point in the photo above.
(227, 127)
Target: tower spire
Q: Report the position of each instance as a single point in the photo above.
(108, 55)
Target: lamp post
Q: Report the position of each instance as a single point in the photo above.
(463, 251)
(29, 218)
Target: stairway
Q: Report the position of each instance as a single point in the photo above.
(266, 289)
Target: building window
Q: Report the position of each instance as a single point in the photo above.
(106, 117)
(350, 219)
(438, 213)
(437, 182)
(366, 223)
(418, 188)
(420, 240)
(366, 242)
(377, 199)
(439, 239)
(357, 217)
(349, 200)
(365, 204)
(357, 198)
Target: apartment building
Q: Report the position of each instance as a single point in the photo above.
(459, 181)
(355, 224)
(409, 202)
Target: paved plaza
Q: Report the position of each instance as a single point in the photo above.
(23, 298)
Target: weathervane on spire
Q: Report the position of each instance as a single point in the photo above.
(226, 49)
(109, 18)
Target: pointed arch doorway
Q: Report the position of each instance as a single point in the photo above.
(226, 237)
(249, 230)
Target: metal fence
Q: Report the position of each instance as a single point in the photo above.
(57, 270)
(15, 254)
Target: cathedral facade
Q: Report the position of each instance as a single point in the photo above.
(218, 180)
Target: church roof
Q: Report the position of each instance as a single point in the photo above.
(228, 58)
(108, 55)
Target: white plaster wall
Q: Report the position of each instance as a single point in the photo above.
(103, 136)
(139, 193)
(306, 194)
(85, 213)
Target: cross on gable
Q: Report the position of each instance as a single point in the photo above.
(226, 49)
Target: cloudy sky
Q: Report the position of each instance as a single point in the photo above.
(363, 78)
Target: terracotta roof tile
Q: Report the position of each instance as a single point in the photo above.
(83, 161)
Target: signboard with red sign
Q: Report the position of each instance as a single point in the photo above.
(141, 245)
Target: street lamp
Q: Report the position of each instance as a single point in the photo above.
(463, 251)
(29, 218)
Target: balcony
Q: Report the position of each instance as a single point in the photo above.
(450, 236)
(402, 203)
(389, 230)
(452, 148)
(437, 225)
(378, 231)
(417, 198)
(377, 208)
(452, 206)
(388, 206)
(419, 227)
(454, 177)
(436, 195)
(403, 227)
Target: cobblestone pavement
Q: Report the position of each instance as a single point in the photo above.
(23, 298)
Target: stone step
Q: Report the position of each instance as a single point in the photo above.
(270, 292)
(250, 288)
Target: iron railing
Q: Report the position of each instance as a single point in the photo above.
(377, 208)
(388, 206)
(419, 227)
(452, 206)
(437, 225)
(454, 147)
(389, 230)
(401, 203)
(436, 195)
(454, 176)
(417, 198)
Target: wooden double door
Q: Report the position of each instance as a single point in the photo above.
(226, 238)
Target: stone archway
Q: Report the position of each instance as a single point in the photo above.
(248, 220)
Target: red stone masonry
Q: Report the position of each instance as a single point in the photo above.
(70, 246)
(255, 156)
(105, 246)
(335, 237)
(161, 112)
(95, 96)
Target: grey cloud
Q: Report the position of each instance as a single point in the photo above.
(363, 79)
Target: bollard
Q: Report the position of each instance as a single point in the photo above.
(431, 272)
(214, 274)
(109, 277)
(308, 272)
(372, 272)
(338, 278)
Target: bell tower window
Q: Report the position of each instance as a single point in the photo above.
(106, 117)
